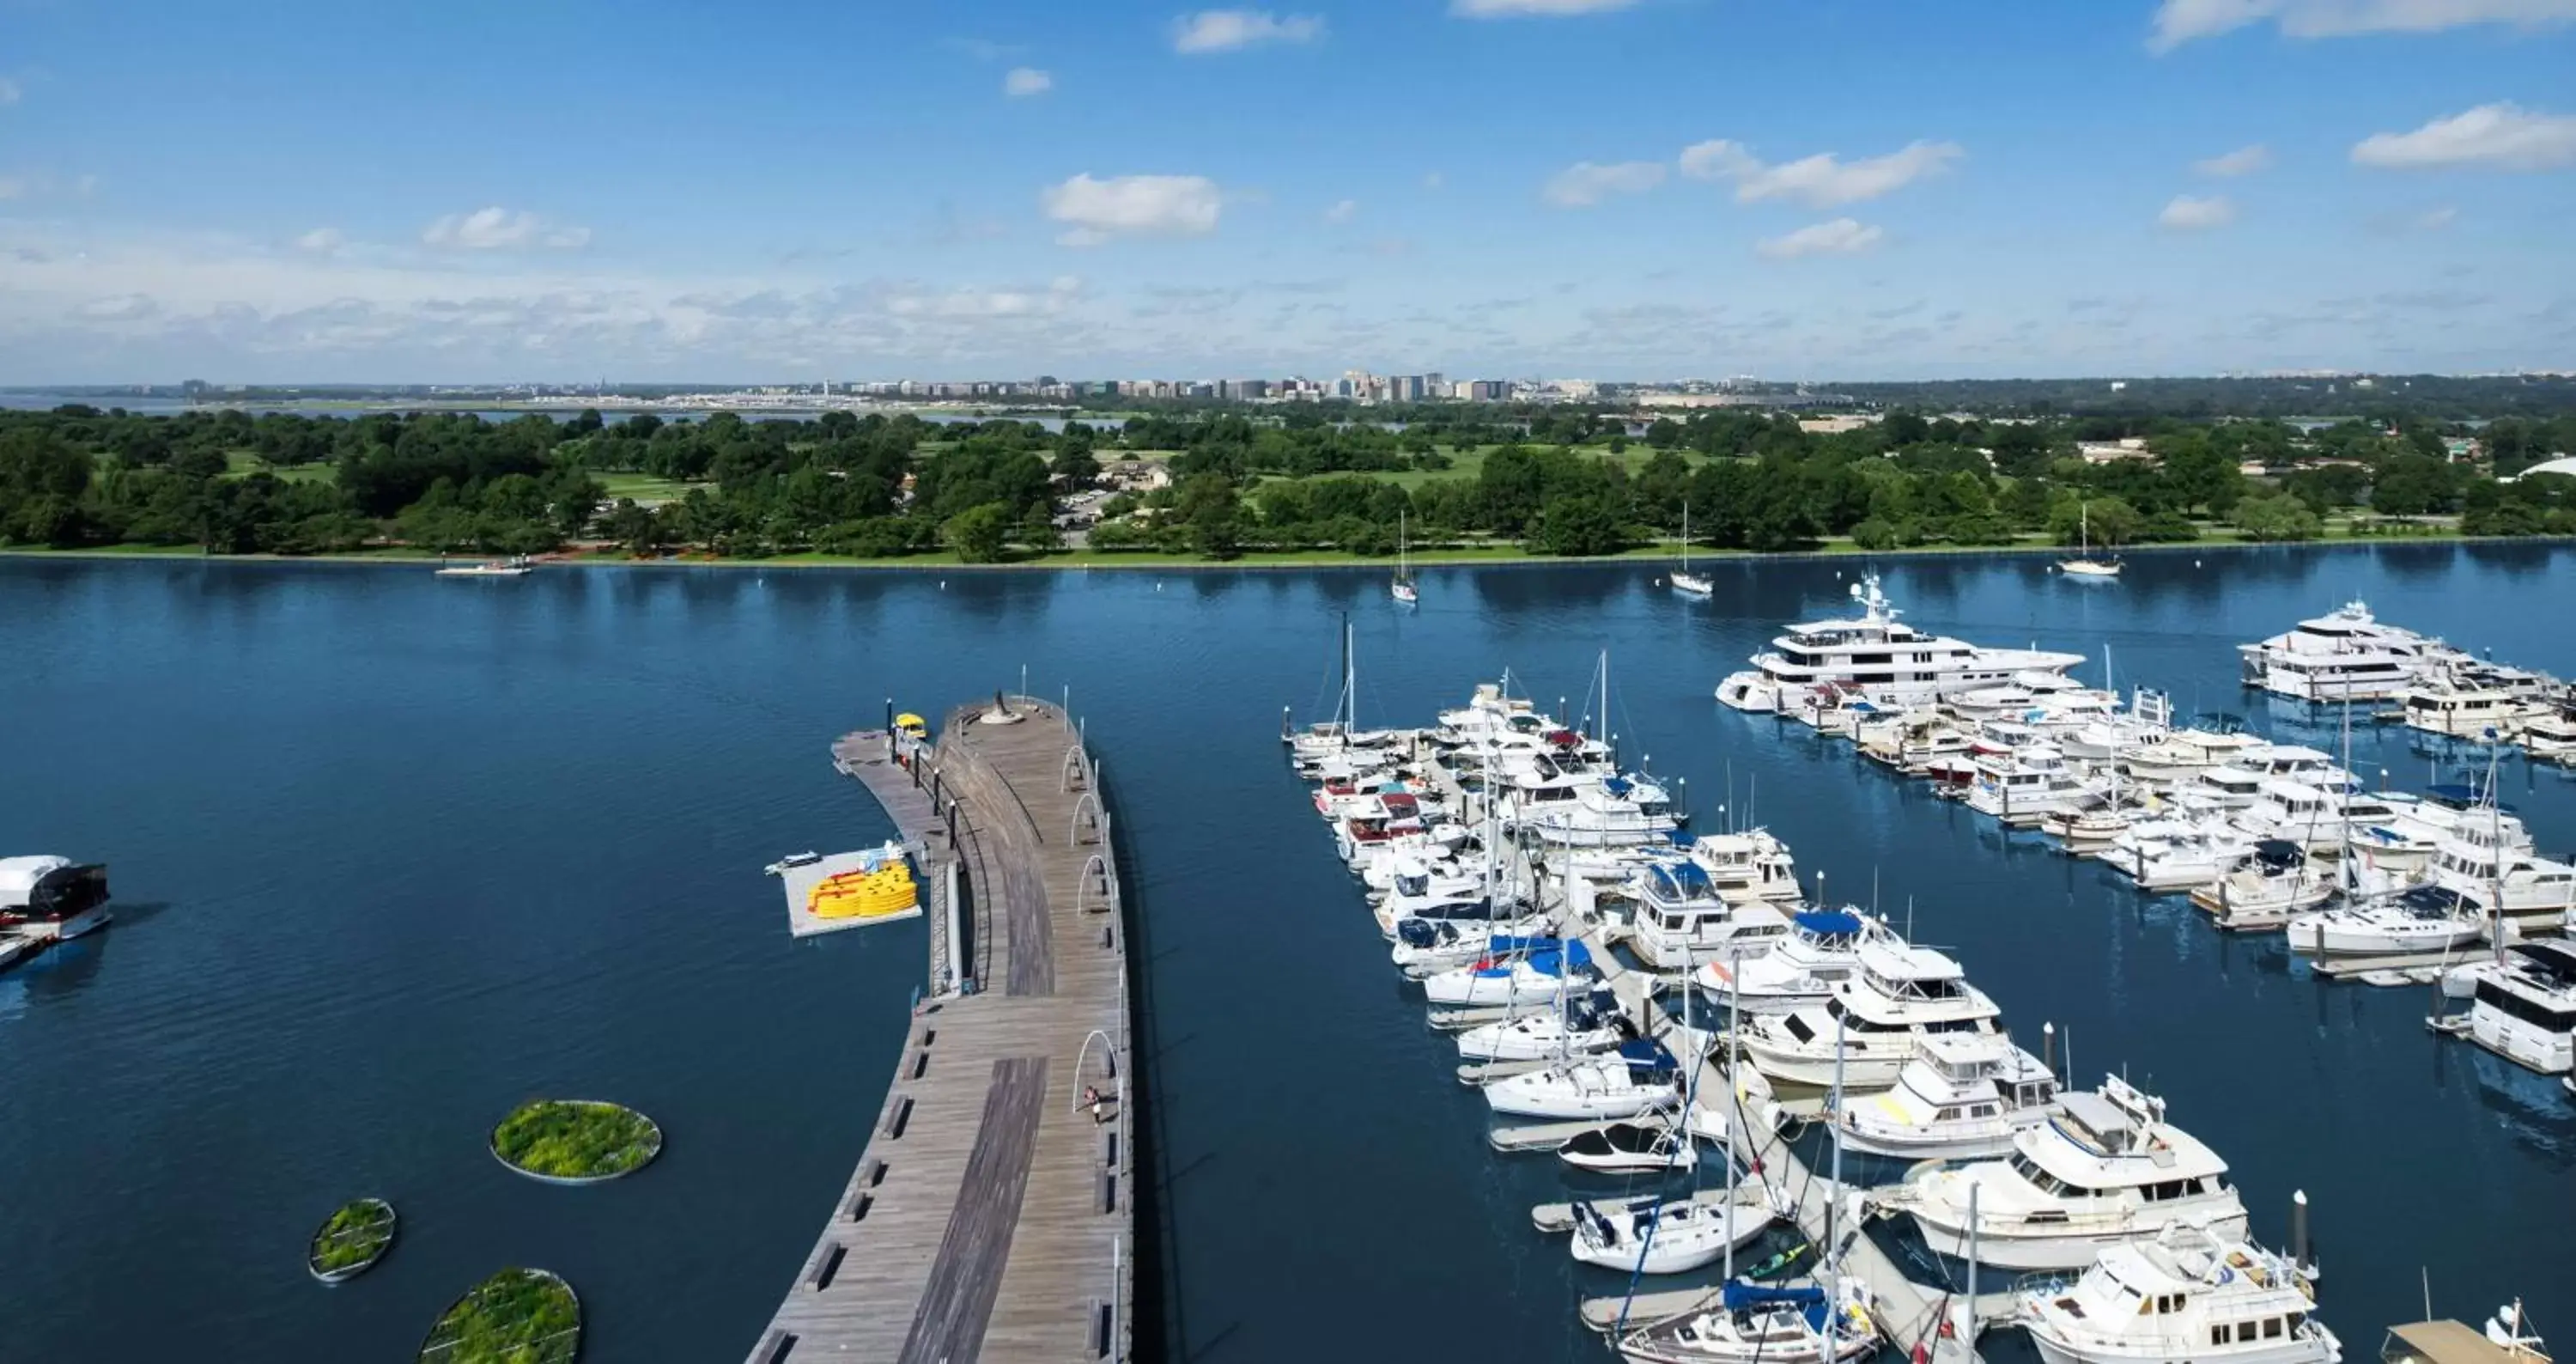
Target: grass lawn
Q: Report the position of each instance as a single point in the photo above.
(242, 464)
(645, 488)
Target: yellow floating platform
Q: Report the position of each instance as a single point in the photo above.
(880, 892)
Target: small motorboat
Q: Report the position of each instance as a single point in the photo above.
(1631, 1148)
(1593, 1090)
(802, 859)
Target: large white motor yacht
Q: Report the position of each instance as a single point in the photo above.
(1962, 1096)
(1901, 993)
(2028, 785)
(1880, 656)
(1818, 955)
(2273, 884)
(2523, 1007)
(2343, 655)
(2106, 1170)
(2186, 1295)
(1677, 919)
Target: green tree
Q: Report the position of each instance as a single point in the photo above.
(1577, 524)
(2104, 520)
(979, 533)
(2277, 517)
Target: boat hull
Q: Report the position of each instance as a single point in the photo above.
(2064, 1247)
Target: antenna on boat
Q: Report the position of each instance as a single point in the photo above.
(1909, 917)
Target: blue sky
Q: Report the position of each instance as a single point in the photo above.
(1605, 188)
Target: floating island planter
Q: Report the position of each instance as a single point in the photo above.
(518, 1316)
(352, 1240)
(576, 1141)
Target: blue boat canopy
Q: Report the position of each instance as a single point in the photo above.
(1682, 879)
(1617, 786)
(1645, 1053)
(1741, 1295)
(1679, 838)
(1830, 923)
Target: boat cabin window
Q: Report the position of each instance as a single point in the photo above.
(2167, 1190)
(2512, 1004)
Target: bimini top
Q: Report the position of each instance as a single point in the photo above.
(2279, 852)
(1617, 786)
(1830, 923)
(1680, 880)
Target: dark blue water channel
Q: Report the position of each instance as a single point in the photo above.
(392, 853)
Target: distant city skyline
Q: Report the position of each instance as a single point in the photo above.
(298, 193)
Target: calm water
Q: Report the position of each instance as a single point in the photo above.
(393, 853)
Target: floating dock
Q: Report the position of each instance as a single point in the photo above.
(991, 1216)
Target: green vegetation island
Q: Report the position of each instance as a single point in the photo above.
(518, 1316)
(575, 1141)
(351, 1240)
(1280, 484)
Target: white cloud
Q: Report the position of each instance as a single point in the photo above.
(2242, 161)
(1820, 181)
(2188, 214)
(120, 308)
(1094, 211)
(499, 229)
(321, 241)
(2180, 21)
(1024, 81)
(1586, 183)
(1225, 30)
(988, 303)
(1342, 212)
(1840, 237)
(1503, 9)
(2489, 137)
(11, 91)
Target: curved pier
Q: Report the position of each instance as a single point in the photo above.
(990, 1216)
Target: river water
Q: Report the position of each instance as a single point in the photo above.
(392, 853)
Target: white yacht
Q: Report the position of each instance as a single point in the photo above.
(1753, 865)
(2523, 1005)
(1546, 1033)
(1677, 919)
(1673, 1237)
(2174, 854)
(1648, 1147)
(2176, 755)
(1819, 954)
(1427, 946)
(1529, 977)
(1962, 1096)
(1900, 993)
(52, 898)
(1884, 658)
(2550, 734)
(1596, 1089)
(2028, 785)
(2106, 1170)
(2186, 1295)
(1747, 1323)
(514, 567)
(2478, 860)
(2425, 919)
(2271, 885)
(2344, 655)
(2449, 701)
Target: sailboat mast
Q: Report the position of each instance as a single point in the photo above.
(1734, 1121)
(1833, 1208)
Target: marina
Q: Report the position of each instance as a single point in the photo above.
(374, 950)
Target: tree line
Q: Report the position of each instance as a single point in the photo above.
(885, 487)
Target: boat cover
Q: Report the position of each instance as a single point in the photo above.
(1645, 1053)
(1617, 786)
(1830, 923)
(2279, 852)
(1741, 1295)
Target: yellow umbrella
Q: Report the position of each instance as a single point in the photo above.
(908, 720)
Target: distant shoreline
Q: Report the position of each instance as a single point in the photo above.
(1135, 563)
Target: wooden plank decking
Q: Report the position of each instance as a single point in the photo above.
(990, 1216)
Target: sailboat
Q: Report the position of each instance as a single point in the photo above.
(1403, 588)
(1684, 581)
(2084, 565)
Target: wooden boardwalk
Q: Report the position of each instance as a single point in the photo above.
(991, 1216)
